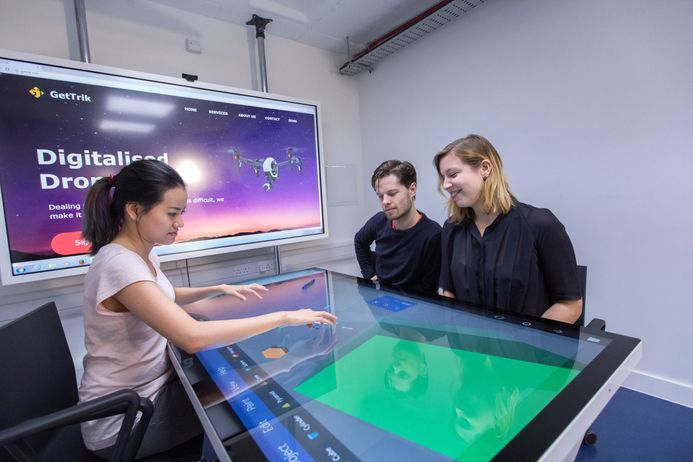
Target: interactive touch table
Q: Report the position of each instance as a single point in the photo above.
(400, 377)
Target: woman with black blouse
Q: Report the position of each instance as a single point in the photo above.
(496, 251)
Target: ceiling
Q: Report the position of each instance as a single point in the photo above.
(323, 24)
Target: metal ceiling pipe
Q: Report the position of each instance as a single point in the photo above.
(260, 24)
(417, 27)
(82, 34)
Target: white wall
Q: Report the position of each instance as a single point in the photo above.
(590, 104)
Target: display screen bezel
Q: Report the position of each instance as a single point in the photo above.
(75, 264)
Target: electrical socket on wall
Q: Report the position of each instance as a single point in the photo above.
(240, 270)
(193, 45)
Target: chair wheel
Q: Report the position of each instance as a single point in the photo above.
(590, 438)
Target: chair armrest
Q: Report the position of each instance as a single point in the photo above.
(597, 324)
(126, 402)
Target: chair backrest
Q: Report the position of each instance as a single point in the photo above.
(38, 375)
(582, 278)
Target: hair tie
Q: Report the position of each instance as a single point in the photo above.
(111, 181)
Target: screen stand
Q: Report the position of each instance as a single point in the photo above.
(277, 260)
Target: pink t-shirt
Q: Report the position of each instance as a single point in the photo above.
(122, 351)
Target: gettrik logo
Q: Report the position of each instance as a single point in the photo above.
(70, 96)
(36, 92)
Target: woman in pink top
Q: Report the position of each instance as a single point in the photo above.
(131, 309)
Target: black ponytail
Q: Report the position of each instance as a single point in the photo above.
(144, 182)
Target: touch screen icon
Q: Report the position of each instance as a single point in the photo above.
(274, 352)
(313, 435)
(390, 303)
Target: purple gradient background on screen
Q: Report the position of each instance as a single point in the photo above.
(201, 139)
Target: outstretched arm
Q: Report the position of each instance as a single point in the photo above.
(146, 300)
(185, 295)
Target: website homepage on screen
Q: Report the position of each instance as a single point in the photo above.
(251, 165)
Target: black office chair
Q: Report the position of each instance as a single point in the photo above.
(40, 415)
(596, 323)
(590, 437)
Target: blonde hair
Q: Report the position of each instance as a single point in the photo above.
(495, 195)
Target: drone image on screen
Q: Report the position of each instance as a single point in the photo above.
(268, 165)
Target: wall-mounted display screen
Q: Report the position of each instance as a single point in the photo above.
(252, 162)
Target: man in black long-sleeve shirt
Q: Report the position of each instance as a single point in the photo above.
(407, 243)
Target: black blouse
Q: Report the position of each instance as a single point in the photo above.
(524, 262)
